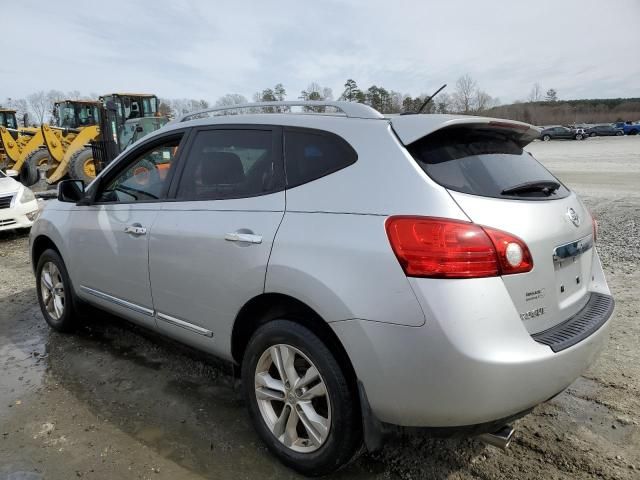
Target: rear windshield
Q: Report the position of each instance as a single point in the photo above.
(485, 162)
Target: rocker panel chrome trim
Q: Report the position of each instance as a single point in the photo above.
(186, 325)
(118, 301)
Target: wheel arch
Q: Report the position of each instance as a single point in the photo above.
(39, 245)
(272, 306)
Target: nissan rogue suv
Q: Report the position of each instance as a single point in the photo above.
(366, 272)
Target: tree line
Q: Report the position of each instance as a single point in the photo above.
(466, 97)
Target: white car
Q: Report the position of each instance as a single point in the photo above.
(18, 205)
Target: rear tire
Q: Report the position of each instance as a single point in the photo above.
(55, 293)
(314, 437)
(619, 134)
(593, 134)
(82, 165)
(633, 132)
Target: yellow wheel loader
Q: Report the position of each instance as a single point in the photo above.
(76, 124)
(16, 143)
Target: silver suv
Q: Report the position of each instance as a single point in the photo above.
(366, 272)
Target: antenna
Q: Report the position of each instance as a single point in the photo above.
(426, 102)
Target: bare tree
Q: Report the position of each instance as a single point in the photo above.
(482, 101)
(536, 93)
(39, 105)
(230, 99)
(552, 95)
(443, 103)
(463, 96)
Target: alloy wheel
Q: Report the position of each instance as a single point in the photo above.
(292, 398)
(52, 290)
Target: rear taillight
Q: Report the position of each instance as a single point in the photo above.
(443, 248)
(594, 224)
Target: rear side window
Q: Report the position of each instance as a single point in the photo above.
(226, 163)
(312, 154)
(483, 162)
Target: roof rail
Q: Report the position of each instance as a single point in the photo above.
(347, 109)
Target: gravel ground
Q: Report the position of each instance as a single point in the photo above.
(114, 401)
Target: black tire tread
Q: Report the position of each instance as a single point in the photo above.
(29, 173)
(345, 438)
(76, 165)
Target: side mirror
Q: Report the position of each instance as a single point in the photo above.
(12, 173)
(139, 129)
(71, 191)
(25, 120)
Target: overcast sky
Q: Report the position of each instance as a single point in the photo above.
(204, 49)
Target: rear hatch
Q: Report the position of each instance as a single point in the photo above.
(498, 184)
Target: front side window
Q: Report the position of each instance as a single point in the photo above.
(226, 163)
(312, 154)
(145, 179)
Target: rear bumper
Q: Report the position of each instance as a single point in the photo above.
(472, 362)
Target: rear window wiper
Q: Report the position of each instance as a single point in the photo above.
(545, 186)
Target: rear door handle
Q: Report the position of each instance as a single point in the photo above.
(135, 229)
(243, 237)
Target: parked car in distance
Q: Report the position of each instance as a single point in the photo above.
(553, 133)
(365, 273)
(629, 128)
(18, 205)
(604, 131)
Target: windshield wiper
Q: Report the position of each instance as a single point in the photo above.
(545, 186)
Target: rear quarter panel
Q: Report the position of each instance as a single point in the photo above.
(342, 266)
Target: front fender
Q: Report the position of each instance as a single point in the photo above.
(51, 224)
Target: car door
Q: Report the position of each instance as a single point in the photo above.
(209, 247)
(110, 235)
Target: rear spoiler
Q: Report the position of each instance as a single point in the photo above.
(410, 128)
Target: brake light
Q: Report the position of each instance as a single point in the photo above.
(444, 248)
(594, 224)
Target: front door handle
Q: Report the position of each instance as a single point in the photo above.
(135, 229)
(243, 237)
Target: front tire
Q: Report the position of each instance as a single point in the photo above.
(299, 399)
(579, 137)
(55, 294)
(546, 138)
(593, 134)
(82, 165)
(619, 134)
(37, 165)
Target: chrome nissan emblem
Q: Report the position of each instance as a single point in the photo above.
(573, 216)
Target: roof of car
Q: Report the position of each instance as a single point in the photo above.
(409, 128)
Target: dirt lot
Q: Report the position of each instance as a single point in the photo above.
(114, 401)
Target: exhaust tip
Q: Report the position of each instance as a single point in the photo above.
(500, 438)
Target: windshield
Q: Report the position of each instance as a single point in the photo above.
(8, 119)
(485, 162)
(74, 115)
